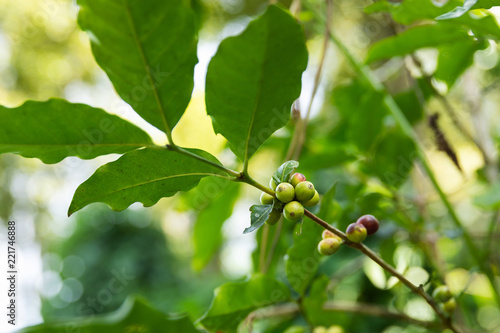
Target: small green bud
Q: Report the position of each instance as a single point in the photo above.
(285, 192)
(314, 201)
(304, 191)
(442, 294)
(356, 232)
(293, 211)
(370, 222)
(266, 199)
(450, 306)
(297, 178)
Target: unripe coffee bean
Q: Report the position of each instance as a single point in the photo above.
(285, 192)
(450, 306)
(266, 199)
(314, 201)
(297, 178)
(293, 211)
(304, 191)
(272, 184)
(370, 222)
(274, 217)
(356, 232)
(329, 246)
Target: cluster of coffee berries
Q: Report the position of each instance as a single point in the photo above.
(356, 233)
(292, 196)
(443, 296)
(366, 225)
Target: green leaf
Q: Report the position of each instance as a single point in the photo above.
(283, 173)
(132, 316)
(234, 301)
(327, 203)
(455, 58)
(145, 176)
(409, 103)
(207, 233)
(253, 80)
(410, 11)
(302, 258)
(364, 112)
(258, 216)
(458, 11)
(148, 50)
(313, 303)
(55, 129)
(391, 157)
(414, 39)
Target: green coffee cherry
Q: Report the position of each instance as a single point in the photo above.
(370, 222)
(293, 211)
(314, 201)
(356, 232)
(450, 306)
(266, 199)
(320, 329)
(297, 178)
(304, 191)
(274, 217)
(272, 184)
(329, 246)
(285, 192)
(442, 294)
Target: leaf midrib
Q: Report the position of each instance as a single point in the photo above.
(146, 65)
(259, 92)
(160, 179)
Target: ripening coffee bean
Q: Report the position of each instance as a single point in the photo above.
(272, 184)
(370, 222)
(329, 246)
(293, 211)
(285, 192)
(356, 232)
(304, 191)
(327, 234)
(314, 201)
(450, 306)
(274, 217)
(442, 294)
(266, 199)
(297, 178)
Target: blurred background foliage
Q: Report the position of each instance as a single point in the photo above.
(179, 251)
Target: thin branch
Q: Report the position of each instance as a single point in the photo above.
(263, 248)
(292, 309)
(419, 290)
(377, 311)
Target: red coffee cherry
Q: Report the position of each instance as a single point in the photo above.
(297, 178)
(370, 222)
